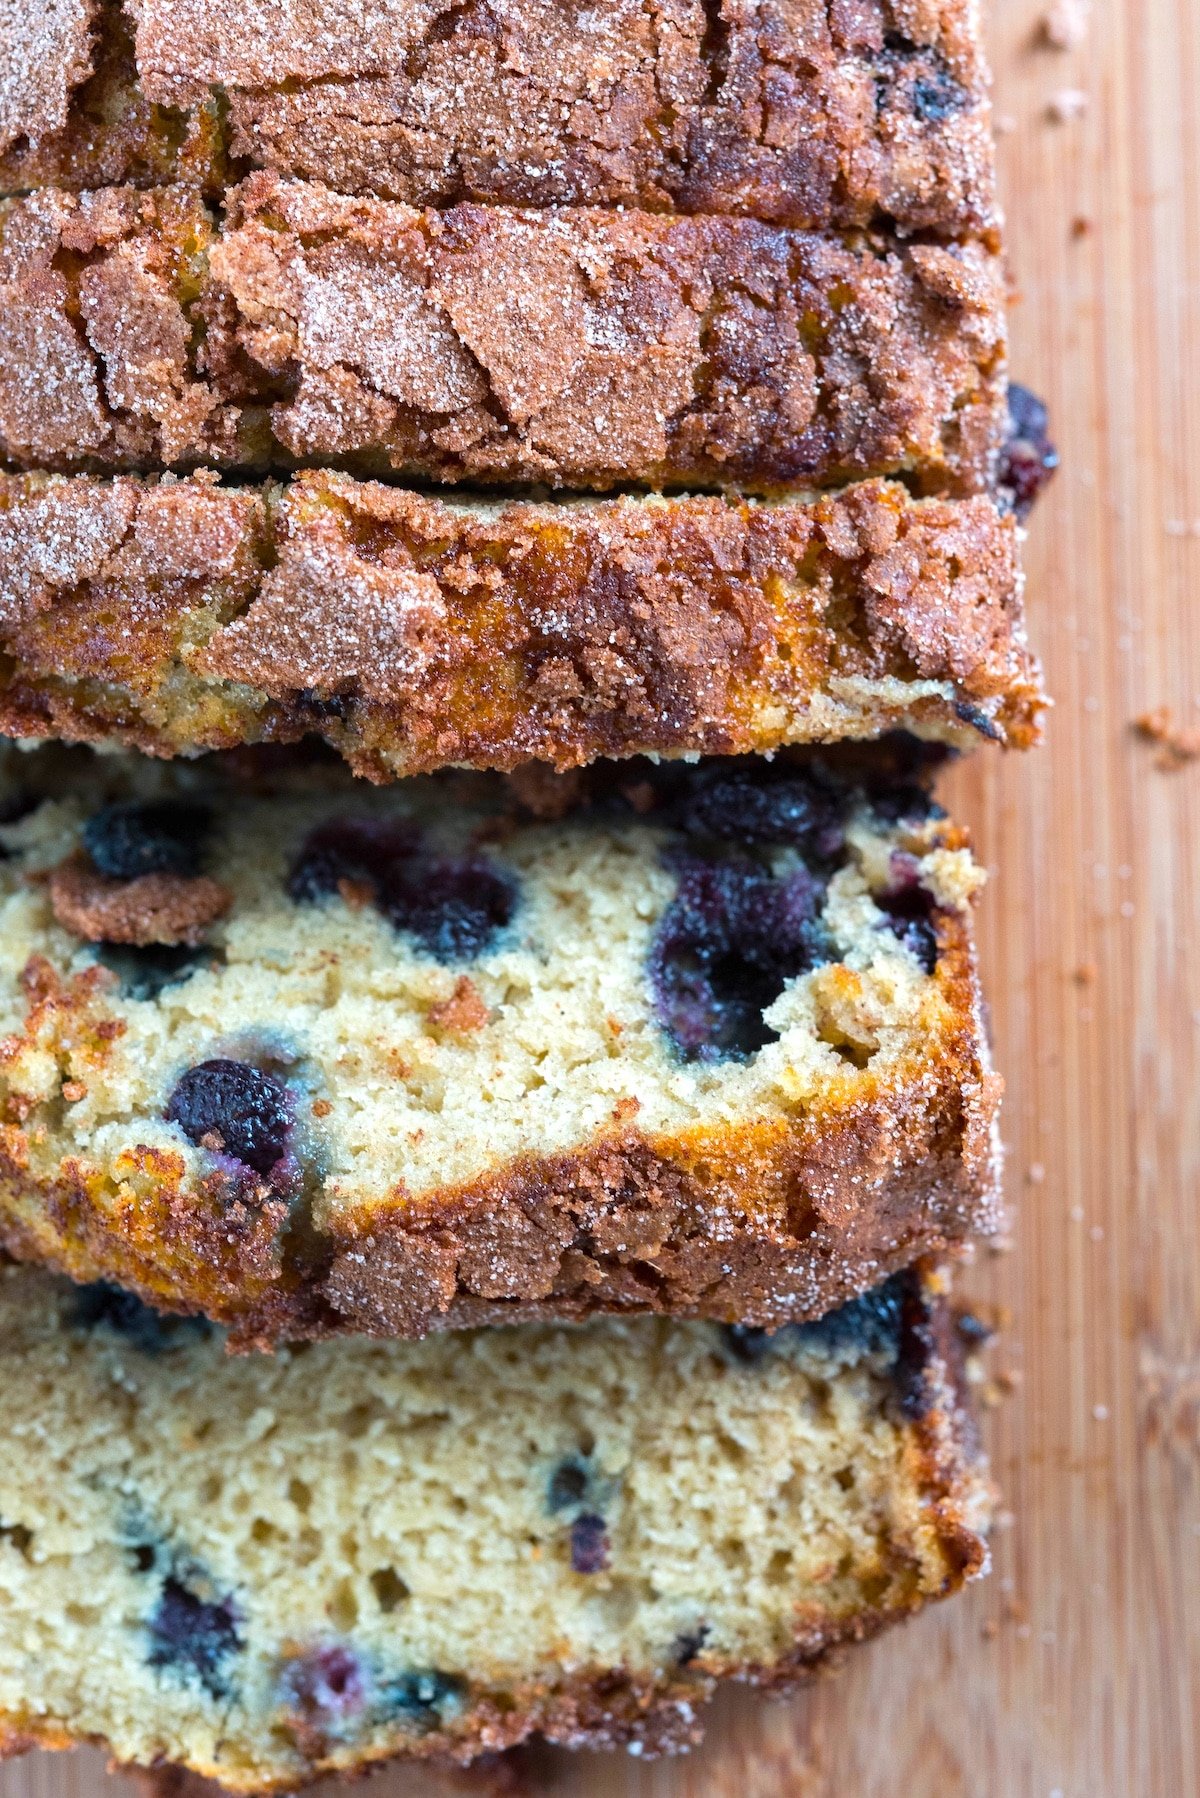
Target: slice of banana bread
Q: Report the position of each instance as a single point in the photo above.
(342, 1058)
(577, 347)
(271, 1567)
(799, 113)
(412, 633)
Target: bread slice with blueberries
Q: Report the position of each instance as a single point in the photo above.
(313, 1057)
(269, 1568)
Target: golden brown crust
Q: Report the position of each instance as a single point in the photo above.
(804, 114)
(579, 348)
(411, 634)
(612, 1708)
(102, 130)
(774, 1221)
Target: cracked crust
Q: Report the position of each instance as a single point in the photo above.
(576, 348)
(412, 634)
(802, 114)
(763, 1209)
(936, 1505)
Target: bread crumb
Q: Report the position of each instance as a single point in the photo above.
(1081, 226)
(1177, 746)
(1086, 974)
(321, 1108)
(73, 1091)
(1067, 105)
(1036, 1174)
(1064, 24)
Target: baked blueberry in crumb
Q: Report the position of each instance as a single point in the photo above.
(193, 1635)
(146, 972)
(101, 1306)
(328, 1686)
(422, 1698)
(162, 837)
(452, 907)
(764, 804)
(867, 1325)
(688, 1645)
(589, 1543)
(726, 945)
(568, 1484)
(908, 908)
(234, 1109)
(1027, 458)
(358, 850)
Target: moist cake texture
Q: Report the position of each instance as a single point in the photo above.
(574, 347)
(267, 1568)
(341, 1058)
(803, 113)
(412, 633)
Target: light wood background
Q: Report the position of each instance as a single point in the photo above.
(1075, 1669)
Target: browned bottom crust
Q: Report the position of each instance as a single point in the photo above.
(582, 348)
(807, 115)
(412, 634)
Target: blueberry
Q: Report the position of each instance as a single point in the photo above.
(589, 1544)
(867, 1325)
(568, 1485)
(421, 1698)
(328, 1686)
(101, 1306)
(192, 1635)
(454, 909)
(908, 908)
(1028, 458)
(688, 1645)
(235, 1109)
(727, 944)
(936, 96)
(361, 850)
(144, 973)
(166, 837)
(764, 805)
(748, 1343)
(935, 93)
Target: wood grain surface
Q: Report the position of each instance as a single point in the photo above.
(1075, 1669)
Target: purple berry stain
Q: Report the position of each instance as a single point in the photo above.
(193, 1635)
(726, 946)
(589, 1544)
(234, 1109)
(328, 1687)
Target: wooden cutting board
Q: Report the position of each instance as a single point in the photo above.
(1075, 1669)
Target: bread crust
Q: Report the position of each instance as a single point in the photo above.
(801, 114)
(578, 348)
(771, 1221)
(613, 1708)
(411, 634)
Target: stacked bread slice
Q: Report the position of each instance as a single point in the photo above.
(523, 496)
